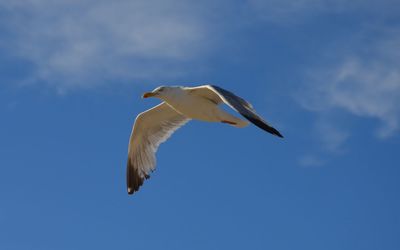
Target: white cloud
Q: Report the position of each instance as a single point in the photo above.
(330, 135)
(366, 84)
(311, 161)
(83, 43)
(72, 43)
(294, 11)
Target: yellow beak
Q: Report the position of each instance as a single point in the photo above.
(148, 94)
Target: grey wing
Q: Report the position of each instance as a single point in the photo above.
(151, 128)
(218, 95)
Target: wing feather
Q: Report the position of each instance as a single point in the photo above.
(219, 95)
(151, 128)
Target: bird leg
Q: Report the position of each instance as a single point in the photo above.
(229, 122)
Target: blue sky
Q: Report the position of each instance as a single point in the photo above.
(325, 73)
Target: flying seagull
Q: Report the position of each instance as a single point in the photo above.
(180, 104)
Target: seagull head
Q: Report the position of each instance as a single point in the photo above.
(161, 92)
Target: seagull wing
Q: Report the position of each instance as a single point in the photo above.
(151, 128)
(219, 95)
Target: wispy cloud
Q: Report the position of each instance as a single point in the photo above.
(357, 76)
(366, 84)
(75, 43)
(311, 160)
(289, 11)
(330, 135)
(83, 43)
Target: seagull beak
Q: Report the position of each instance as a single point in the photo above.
(148, 94)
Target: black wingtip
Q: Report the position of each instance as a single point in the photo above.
(133, 180)
(264, 126)
(275, 132)
(279, 134)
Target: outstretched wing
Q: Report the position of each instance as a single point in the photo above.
(151, 128)
(219, 95)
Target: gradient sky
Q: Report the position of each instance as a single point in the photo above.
(324, 73)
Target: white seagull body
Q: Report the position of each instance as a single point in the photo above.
(180, 105)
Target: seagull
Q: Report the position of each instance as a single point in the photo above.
(180, 104)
